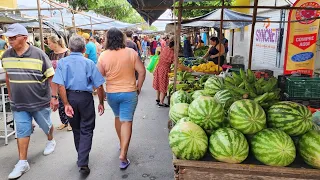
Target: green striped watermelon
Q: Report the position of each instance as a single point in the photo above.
(178, 111)
(247, 116)
(224, 97)
(213, 85)
(185, 119)
(228, 145)
(273, 147)
(188, 141)
(293, 118)
(315, 126)
(199, 93)
(179, 97)
(206, 113)
(309, 148)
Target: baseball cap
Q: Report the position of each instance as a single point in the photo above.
(16, 29)
(86, 36)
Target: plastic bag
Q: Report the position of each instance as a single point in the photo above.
(153, 63)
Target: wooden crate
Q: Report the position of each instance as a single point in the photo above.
(209, 170)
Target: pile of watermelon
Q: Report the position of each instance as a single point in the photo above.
(213, 121)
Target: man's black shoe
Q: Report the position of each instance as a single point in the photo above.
(84, 170)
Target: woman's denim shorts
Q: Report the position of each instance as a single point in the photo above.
(123, 104)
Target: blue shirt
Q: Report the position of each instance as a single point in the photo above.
(2, 44)
(76, 72)
(91, 50)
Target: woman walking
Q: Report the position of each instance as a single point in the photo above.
(118, 64)
(59, 51)
(160, 75)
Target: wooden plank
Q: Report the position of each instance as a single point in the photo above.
(193, 170)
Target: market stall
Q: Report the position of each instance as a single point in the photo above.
(244, 124)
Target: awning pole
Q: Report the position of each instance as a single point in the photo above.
(232, 51)
(177, 44)
(74, 23)
(64, 28)
(91, 26)
(40, 25)
(220, 34)
(252, 32)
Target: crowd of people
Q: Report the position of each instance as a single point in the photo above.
(65, 79)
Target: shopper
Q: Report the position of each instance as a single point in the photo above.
(59, 51)
(138, 43)
(129, 41)
(91, 49)
(217, 49)
(118, 64)
(28, 82)
(160, 75)
(37, 42)
(76, 94)
(187, 49)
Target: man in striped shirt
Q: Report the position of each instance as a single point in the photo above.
(28, 76)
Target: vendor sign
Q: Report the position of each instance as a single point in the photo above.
(301, 38)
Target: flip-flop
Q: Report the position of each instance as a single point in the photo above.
(124, 165)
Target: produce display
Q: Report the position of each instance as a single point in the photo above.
(178, 111)
(206, 113)
(188, 141)
(201, 51)
(293, 118)
(246, 86)
(309, 149)
(273, 147)
(247, 116)
(238, 113)
(209, 67)
(228, 145)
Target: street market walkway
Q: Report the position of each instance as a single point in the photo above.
(149, 152)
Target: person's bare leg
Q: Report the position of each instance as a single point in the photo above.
(23, 144)
(117, 125)
(50, 134)
(126, 130)
(158, 95)
(162, 97)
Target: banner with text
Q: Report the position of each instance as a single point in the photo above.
(302, 36)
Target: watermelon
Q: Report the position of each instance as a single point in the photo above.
(228, 145)
(273, 147)
(293, 118)
(309, 148)
(206, 113)
(179, 97)
(188, 141)
(213, 85)
(224, 97)
(199, 93)
(185, 119)
(178, 111)
(247, 116)
(315, 126)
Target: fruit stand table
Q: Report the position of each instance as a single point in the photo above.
(6, 118)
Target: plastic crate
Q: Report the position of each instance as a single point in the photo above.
(263, 73)
(303, 88)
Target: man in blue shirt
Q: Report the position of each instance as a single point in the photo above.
(91, 48)
(76, 76)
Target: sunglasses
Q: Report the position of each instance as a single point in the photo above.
(15, 37)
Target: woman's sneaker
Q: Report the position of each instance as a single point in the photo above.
(19, 169)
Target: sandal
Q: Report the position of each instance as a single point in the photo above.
(69, 128)
(158, 101)
(62, 126)
(163, 105)
(124, 165)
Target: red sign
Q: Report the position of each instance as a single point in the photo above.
(307, 16)
(304, 41)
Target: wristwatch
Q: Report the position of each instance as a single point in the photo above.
(56, 96)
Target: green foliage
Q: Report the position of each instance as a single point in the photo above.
(117, 9)
(190, 13)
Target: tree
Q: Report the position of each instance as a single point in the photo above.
(190, 13)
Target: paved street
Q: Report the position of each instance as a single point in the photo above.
(149, 151)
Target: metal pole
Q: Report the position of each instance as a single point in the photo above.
(177, 44)
(252, 32)
(91, 26)
(232, 51)
(74, 23)
(64, 28)
(40, 25)
(220, 34)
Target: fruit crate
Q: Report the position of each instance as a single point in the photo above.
(263, 73)
(302, 88)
